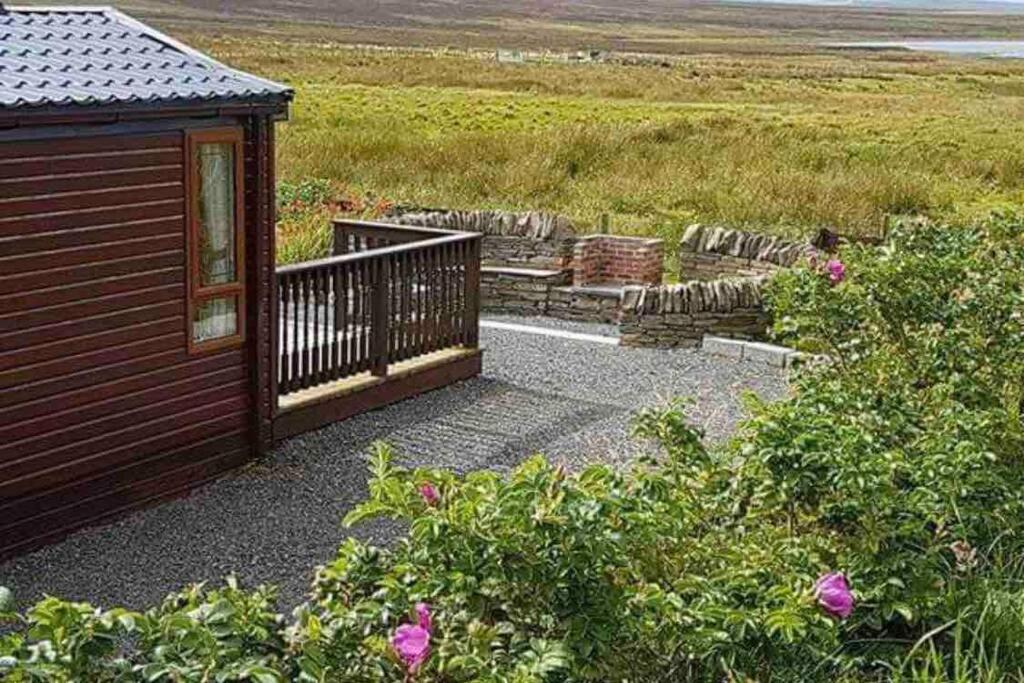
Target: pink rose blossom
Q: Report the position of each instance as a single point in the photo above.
(833, 594)
(423, 616)
(430, 495)
(836, 271)
(411, 642)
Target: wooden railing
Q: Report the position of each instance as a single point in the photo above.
(389, 294)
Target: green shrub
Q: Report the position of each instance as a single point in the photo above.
(195, 635)
(594, 576)
(906, 448)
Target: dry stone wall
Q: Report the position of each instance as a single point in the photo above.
(724, 273)
(585, 304)
(519, 292)
(536, 264)
(708, 253)
(680, 315)
(534, 239)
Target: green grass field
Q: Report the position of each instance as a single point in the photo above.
(779, 142)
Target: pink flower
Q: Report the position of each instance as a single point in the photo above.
(430, 495)
(412, 642)
(423, 616)
(833, 594)
(836, 271)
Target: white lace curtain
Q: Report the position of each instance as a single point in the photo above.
(216, 318)
(217, 214)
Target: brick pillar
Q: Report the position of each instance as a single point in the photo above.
(587, 261)
(618, 260)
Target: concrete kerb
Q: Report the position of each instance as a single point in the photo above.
(754, 352)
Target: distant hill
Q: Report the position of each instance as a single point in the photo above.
(937, 6)
(671, 26)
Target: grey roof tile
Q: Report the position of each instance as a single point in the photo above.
(94, 56)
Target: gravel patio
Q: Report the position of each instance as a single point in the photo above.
(276, 520)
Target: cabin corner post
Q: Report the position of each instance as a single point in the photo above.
(266, 346)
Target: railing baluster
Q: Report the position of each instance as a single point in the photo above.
(421, 318)
(431, 297)
(351, 308)
(357, 316)
(311, 317)
(395, 314)
(429, 292)
(456, 288)
(379, 318)
(300, 330)
(285, 359)
(296, 378)
(304, 295)
(391, 289)
(340, 332)
(364, 315)
(442, 298)
(449, 295)
(464, 252)
(406, 284)
(314, 300)
(324, 328)
(335, 322)
(439, 338)
(442, 311)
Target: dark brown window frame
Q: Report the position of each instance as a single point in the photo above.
(198, 294)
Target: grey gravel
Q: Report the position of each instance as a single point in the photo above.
(275, 520)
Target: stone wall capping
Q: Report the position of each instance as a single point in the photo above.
(535, 225)
(705, 240)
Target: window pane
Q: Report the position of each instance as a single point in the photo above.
(215, 319)
(216, 213)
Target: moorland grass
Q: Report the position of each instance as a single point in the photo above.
(780, 143)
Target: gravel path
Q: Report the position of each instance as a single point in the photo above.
(275, 520)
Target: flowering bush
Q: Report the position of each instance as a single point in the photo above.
(195, 635)
(906, 447)
(837, 532)
(600, 575)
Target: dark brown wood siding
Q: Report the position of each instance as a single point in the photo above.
(102, 408)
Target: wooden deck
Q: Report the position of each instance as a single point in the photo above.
(394, 313)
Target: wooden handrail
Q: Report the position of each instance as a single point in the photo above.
(391, 231)
(378, 252)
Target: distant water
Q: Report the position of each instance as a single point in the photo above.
(1013, 49)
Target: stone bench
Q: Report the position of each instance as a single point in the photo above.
(519, 290)
(587, 303)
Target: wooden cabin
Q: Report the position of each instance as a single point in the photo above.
(147, 341)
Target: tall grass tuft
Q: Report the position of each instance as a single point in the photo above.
(983, 642)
